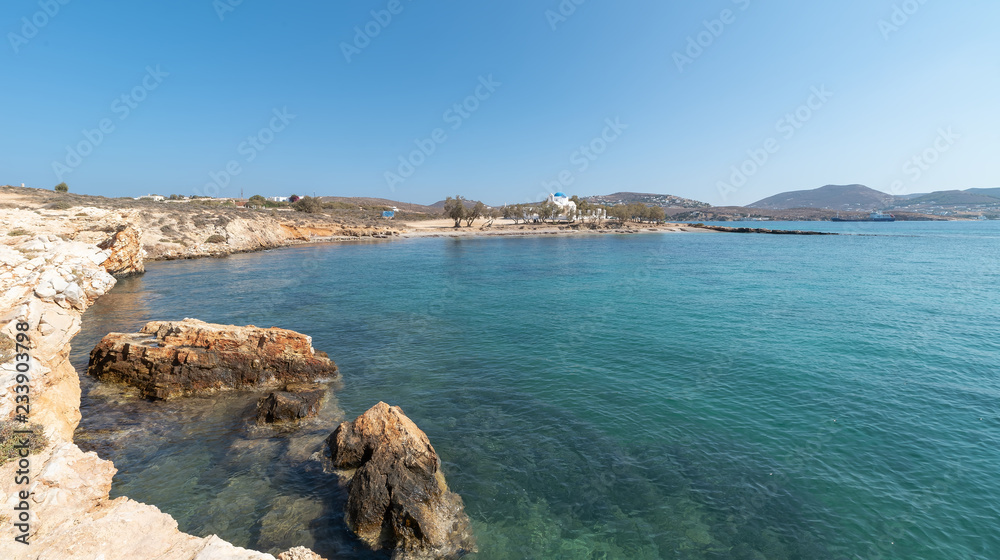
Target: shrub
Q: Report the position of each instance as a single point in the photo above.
(18, 231)
(8, 439)
(216, 238)
(62, 187)
(308, 204)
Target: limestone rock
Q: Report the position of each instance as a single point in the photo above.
(175, 358)
(126, 258)
(299, 553)
(297, 401)
(397, 497)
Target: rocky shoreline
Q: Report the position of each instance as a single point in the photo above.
(47, 283)
(53, 265)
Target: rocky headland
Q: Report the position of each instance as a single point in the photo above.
(54, 263)
(168, 230)
(168, 359)
(62, 502)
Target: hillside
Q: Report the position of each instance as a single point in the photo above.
(368, 202)
(953, 198)
(831, 197)
(665, 200)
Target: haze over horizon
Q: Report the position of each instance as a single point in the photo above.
(727, 102)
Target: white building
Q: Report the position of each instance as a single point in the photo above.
(563, 203)
(278, 199)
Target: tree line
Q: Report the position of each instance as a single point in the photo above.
(459, 209)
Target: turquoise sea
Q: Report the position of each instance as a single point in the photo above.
(685, 396)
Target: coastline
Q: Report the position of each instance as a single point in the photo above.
(48, 281)
(51, 278)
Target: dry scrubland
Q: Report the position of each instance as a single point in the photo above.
(172, 230)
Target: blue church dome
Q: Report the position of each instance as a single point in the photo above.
(560, 194)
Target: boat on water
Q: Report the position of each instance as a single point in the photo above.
(875, 216)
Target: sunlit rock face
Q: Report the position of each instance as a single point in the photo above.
(126, 252)
(168, 359)
(398, 498)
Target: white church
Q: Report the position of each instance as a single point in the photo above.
(565, 205)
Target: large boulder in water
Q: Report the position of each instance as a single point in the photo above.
(397, 496)
(175, 358)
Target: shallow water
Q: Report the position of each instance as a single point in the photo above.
(646, 396)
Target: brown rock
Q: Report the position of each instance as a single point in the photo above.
(297, 401)
(126, 257)
(175, 358)
(397, 497)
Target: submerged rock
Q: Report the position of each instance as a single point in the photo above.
(397, 497)
(175, 358)
(297, 401)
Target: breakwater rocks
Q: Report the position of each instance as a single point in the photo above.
(397, 498)
(762, 230)
(176, 358)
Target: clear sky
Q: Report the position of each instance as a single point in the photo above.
(725, 101)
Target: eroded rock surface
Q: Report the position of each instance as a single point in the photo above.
(398, 498)
(46, 281)
(127, 254)
(296, 402)
(174, 358)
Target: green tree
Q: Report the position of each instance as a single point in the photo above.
(546, 211)
(474, 213)
(511, 213)
(309, 205)
(657, 214)
(454, 208)
(619, 212)
(257, 200)
(62, 187)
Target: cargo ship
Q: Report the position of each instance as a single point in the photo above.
(875, 216)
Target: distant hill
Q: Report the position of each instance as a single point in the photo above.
(368, 202)
(994, 192)
(831, 197)
(954, 198)
(665, 200)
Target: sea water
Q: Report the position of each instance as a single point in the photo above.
(701, 395)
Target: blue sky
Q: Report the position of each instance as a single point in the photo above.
(584, 96)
